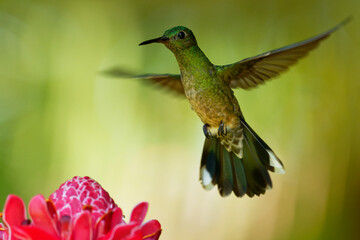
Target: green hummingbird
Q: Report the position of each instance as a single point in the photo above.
(234, 157)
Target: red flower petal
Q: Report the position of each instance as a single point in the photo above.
(108, 222)
(139, 212)
(51, 209)
(14, 214)
(82, 229)
(117, 217)
(155, 236)
(34, 233)
(3, 233)
(65, 227)
(14, 211)
(103, 225)
(100, 229)
(125, 232)
(134, 235)
(151, 229)
(40, 215)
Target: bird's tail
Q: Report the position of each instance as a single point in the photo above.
(247, 174)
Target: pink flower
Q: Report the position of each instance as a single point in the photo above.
(79, 210)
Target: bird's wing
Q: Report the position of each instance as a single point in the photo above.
(251, 72)
(170, 82)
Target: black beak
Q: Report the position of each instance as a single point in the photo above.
(155, 40)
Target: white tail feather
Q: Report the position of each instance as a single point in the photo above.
(274, 162)
(206, 179)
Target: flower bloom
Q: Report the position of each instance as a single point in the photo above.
(79, 210)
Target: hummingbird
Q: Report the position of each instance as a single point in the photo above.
(234, 157)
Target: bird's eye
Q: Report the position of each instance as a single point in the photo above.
(181, 35)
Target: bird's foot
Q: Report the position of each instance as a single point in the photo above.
(222, 131)
(207, 131)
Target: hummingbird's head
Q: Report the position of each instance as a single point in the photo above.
(176, 39)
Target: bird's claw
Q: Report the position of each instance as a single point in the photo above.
(222, 131)
(206, 130)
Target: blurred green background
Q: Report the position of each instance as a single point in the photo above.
(59, 117)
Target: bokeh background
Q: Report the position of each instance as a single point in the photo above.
(59, 117)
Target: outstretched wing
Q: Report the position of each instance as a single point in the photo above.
(170, 82)
(251, 72)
